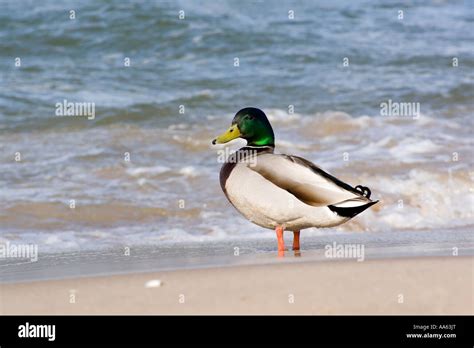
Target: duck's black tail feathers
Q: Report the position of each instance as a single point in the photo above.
(350, 212)
(351, 207)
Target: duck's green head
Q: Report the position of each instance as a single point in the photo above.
(250, 124)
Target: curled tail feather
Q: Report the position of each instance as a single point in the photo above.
(364, 190)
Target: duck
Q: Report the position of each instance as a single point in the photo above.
(279, 191)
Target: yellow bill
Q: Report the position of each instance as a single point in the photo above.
(232, 133)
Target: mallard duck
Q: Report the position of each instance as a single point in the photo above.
(282, 192)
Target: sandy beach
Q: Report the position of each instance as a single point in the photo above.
(430, 285)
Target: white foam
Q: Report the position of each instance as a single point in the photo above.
(210, 214)
(189, 171)
(281, 116)
(153, 283)
(147, 170)
(52, 239)
(412, 146)
(421, 199)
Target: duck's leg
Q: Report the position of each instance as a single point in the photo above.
(296, 240)
(281, 242)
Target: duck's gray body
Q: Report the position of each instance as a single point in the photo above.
(280, 190)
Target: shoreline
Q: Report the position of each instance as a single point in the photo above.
(428, 285)
(230, 253)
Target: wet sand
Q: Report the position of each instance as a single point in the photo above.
(429, 285)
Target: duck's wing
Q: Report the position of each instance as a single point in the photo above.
(306, 181)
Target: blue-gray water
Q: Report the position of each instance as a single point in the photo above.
(182, 88)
